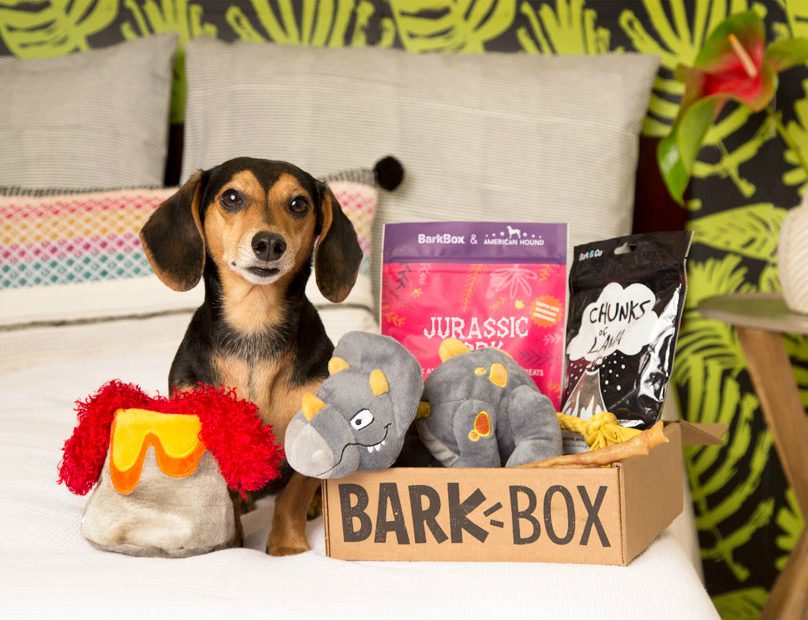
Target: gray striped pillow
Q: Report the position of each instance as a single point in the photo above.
(93, 119)
(482, 137)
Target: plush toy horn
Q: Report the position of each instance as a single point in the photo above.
(337, 364)
(451, 347)
(311, 406)
(378, 383)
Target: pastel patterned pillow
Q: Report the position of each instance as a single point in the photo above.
(357, 193)
(72, 255)
(51, 239)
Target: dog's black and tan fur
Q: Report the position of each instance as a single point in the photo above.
(249, 228)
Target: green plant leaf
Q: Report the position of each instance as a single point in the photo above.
(677, 152)
(672, 167)
(787, 53)
(693, 126)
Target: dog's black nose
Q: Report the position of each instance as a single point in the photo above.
(268, 246)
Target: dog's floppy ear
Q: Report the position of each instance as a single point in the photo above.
(337, 258)
(173, 239)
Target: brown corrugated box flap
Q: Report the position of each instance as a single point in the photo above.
(659, 476)
(701, 434)
(651, 493)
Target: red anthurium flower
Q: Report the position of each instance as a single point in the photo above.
(734, 64)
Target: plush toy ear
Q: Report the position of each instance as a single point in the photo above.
(337, 364)
(336, 261)
(173, 240)
(378, 383)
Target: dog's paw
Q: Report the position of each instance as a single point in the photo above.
(280, 550)
(279, 546)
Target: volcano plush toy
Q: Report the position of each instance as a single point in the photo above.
(163, 468)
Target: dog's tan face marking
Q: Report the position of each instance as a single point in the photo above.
(239, 212)
(296, 227)
(242, 209)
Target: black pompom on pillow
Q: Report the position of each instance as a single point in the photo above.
(389, 173)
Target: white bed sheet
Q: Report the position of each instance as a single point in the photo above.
(47, 568)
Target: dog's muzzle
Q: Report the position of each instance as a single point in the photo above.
(268, 247)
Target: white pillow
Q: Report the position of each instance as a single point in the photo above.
(482, 137)
(94, 119)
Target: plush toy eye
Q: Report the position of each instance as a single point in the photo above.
(361, 419)
(299, 205)
(231, 199)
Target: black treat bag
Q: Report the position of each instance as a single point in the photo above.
(626, 300)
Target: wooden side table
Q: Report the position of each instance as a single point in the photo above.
(760, 320)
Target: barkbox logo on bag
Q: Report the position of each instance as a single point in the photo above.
(499, 285)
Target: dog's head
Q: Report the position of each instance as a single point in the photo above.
(255, 218)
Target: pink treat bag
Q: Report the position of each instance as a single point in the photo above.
(500, 285)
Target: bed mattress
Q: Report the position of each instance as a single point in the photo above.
(48, 569)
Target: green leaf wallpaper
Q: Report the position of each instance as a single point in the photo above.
(743, 183)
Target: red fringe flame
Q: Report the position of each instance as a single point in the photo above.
(241, 443)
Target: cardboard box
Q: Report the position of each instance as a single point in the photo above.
(586, 515)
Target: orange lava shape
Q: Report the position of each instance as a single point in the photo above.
(135, 430)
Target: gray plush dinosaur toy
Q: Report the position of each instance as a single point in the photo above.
(486, 411)
(359, 417)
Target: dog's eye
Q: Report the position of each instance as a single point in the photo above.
(299, 205)
(231, 199)
(361, 419)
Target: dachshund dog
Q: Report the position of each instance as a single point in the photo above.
(250, 227)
